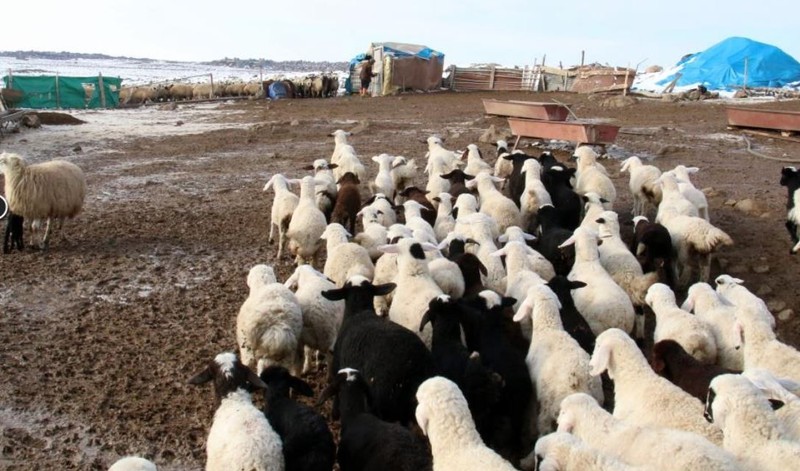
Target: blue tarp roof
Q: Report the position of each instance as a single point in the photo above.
(721, 67)
(401, 50)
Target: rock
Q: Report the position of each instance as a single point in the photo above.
(668, 150)
(749, 206)
(171, 106)
(729, 202)
(761, 268)
(454, 136)
(763, 290)
(737, 269)
(31, 121)
(711, 192)
(776, 305)
(785, 315)
(294, 122)
(670, 97)
(179, 123)
(361, 127)
(618, 101)
(492, 135)
(77, 148)
(653, 69)
(740, 94)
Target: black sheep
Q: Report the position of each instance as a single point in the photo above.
(548, 161)
(671, 361)
(368, 443)
(790, 178)
(395, 359)
(568, 204)
(470, 265)
(574, 323)
(552, 235)
(516, 182)
(307, 441)
(652, 246)
(13, 234)
(458, 182)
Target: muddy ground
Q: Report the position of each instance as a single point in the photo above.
(100, 334)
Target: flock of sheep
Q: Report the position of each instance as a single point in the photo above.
(471, 324)
(310, 86)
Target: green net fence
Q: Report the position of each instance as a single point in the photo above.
(47, 92)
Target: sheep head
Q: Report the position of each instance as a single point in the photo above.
(228, 374)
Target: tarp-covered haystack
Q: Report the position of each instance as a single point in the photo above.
(400, 67)
(732, 64)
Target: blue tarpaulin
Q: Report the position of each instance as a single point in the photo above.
(722, 66)
(277, 90)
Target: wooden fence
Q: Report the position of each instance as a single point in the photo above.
(491, 78)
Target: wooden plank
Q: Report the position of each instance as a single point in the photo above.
(770, 135)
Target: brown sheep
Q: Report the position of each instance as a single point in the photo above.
(348, 202)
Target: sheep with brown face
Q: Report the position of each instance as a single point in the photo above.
(348, 202)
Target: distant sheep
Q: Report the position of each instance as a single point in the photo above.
(46, 191)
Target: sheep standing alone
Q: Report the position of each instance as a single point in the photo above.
(240, 436)
(283, 206)
(269, 323)
(443, 415)
(46, 191)
(643, 184)
(641, 397)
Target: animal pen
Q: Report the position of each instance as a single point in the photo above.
(584, 79)
(55, 91)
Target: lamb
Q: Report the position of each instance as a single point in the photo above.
(415, 286)
(762, 349)
(384, 183)
(557, 365)
(732, 291)
(448, 159)
(307, 225)
(619, 262)
(493, 203)
(326, 190)
(403, 172)
(46, 191)
(592, 177)
(516, 182)
(367, 442)
(778, 394)
(374, 233)
(415, 194)
(444, 417)
(269, 323)
(348, 201)
(393, 357)
(593, 207)
(13, 234)
(672, 197)
(688, 190)
(670, 360)
(345, 259)
(790, 178)
(651, 447)
(240, 436)
(652, 245)
(694, 240)
(133, 463)
(564, 451)
(672, 322)
(475, 162)
(445, 222)
(307, 441)
(457, 182)
(641, 397)
(643, 184)
(321, 317)
(720, 317)
(602, 302)
(534, 194)
(386, 214)
(752, 431)
(283, 206)
(340, 145)
(537, 261)
(448, 276)
(572, 320)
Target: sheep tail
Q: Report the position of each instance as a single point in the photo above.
(711, 240)
(640, 285)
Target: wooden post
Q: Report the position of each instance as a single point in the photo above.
(58, 96)
(10, 79)
(453, 77)
(543, 59)
(102, 90)
(211, 94)
(491, 79)
(744, 85)
(583, 56)
(625, 84)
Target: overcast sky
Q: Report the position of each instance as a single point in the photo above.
(508, 32)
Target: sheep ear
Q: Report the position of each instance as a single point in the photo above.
(333, 166)
(428, 247)
(464, 154)
(508, 301)
(499, 252)
(390, 248)
(437, 199)
(738, 335)
(566, 422)
(776, 404)
(568, 242)
(375, 158)
(527, 236)
(426, 318)
(384, 289)
(471, 184)
(688, 305)
(692, 169)
(523, 312)
(482, 268)
(253, 378)
(301, 387)
(291, 282)
(202, 377)
(503, 238)
(422, 419)
(335, 294)
(600, 359)
(498, 179)
(269, 183)
(575, 284)
(308, 167)
(658, 364)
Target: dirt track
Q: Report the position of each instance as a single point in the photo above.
(100, 334)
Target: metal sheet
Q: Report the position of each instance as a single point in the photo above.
(764, 119)
(574, 131)
(526, 109)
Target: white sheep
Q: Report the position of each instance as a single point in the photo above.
(386, 268)
(307, 225)
(561, 451)
(325, 189)
(752, 431)
(467, 206)
(345, 259)
(732, 291)
(321, 317)
(269, 323)
(591, 176)
(414, 221)
(43, 191)
(415, 285)
(761, 347)
(443, 415)
(283, 206)
(689, 191)
(374, 233)
(538, 263)
(480, 230)
(671, 197)
(475, 162)
(773, 389)
(133, 463)
(656, 448)
(672, 322)
(384, 183)
(386, 214)
(403, 172)
(641, 397)
(448, 159)
(241, 436)
(694, 240)
(503, 168)
(340, 145)
(445, 223)
(601, 302)
(557, 365)
(534, 195)
(493, 203)
(436, 184)
(720, 316)
(447, 275)
(643, 183)
(619, 262)
(593, 207)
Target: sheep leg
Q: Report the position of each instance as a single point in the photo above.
(46, 238)
(307, 359)
(271, 232)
